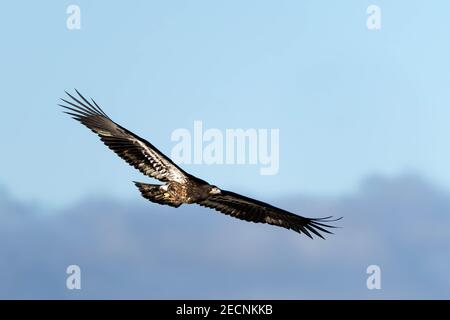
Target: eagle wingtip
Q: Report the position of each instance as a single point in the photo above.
(319, 226)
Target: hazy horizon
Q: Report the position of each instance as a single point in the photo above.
(137, 249)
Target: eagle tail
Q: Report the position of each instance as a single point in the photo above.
(155, 193)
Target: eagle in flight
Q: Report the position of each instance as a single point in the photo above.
(178, 186)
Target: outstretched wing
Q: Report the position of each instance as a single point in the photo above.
(248, 209)
(136, 151)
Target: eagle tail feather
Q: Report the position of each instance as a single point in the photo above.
(156, 194)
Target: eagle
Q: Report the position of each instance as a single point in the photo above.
(180, 187)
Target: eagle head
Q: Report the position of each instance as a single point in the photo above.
(214, 190)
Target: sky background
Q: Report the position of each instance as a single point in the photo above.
(363, 118)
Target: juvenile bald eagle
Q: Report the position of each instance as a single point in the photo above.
(179, 186)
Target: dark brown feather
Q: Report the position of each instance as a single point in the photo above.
(248, 209)
(136, 151)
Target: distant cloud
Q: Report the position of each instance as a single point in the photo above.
(141, 250)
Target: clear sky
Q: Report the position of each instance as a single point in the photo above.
(348, 101)
(363, 119)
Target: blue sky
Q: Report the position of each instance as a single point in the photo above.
(363, 118)
(348, 101)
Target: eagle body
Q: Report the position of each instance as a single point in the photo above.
(174, 193)
(180, 187)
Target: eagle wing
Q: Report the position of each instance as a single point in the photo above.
(248, 209)
(136, 151)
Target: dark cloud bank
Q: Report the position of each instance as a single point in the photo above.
(141, 250)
